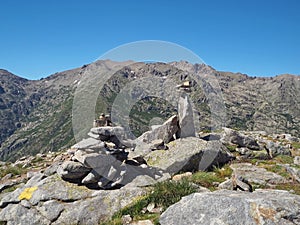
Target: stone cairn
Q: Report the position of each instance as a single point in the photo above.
(106, 159)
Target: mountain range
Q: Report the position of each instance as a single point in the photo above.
(36, 115)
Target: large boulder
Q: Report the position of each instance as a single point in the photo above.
(166, 131)
(234, 137)
(270, 207)
(189, 154)
(186, 118)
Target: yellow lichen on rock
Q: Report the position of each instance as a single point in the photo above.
(27, 193)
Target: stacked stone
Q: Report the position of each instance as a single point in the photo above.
(98, 160)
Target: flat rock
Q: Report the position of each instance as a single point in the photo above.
(94, 159)
(109, 131)
(18, 214)
(50, 209)
(256, 174)
(270, 207)
(90, 143)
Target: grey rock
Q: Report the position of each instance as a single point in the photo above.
(16, 214)
(270, 207)
(94, 160)
(91, 178)
(240, 183)
(108, 133)
(188, 154)
(98, 208)
(141, 149)
(295, 172)
(54, 188)
(126, 219)
(7, 176)
(276, 149)
(128, 143)
(50, 209)
(257, 175)
(234, 137)
(52, 169)
(158, 145)
(142, 181)
(186, 118)
(57, 202)
(253, 154)
(244, 151)
(26, 204)
(228, 185)
(95, 136)
(115, 135)
(13, 197)
(291, 138)
(7, 184)
(297, 160)
(90, 143)
(70, 170)
(141, 176)
(166, 131)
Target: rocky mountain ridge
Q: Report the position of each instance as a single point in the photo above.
(36, 116)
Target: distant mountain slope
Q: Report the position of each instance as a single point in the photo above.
(35, 116)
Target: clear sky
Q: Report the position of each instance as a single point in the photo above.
(256, 37)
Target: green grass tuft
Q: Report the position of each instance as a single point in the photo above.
(296, 145)
(14, 170)
(163, 195)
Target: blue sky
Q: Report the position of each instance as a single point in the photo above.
(259, 38)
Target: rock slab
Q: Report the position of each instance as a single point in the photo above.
(270, 207)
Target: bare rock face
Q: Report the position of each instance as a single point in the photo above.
(230, 207)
